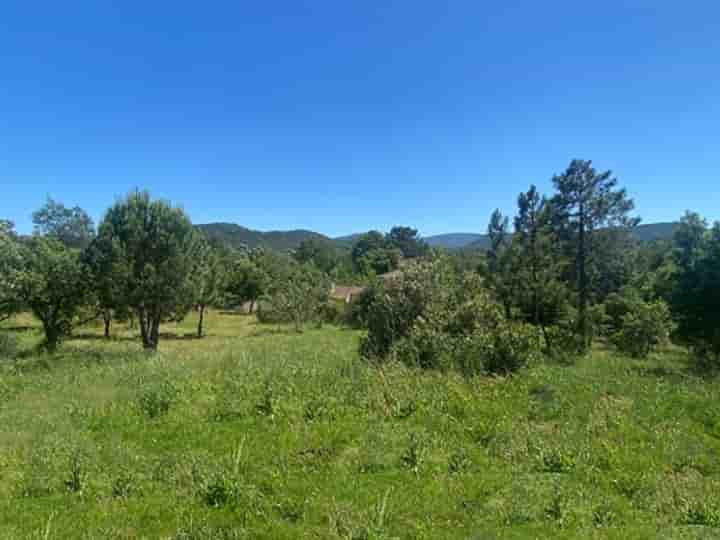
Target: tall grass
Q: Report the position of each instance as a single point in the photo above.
(258, 432)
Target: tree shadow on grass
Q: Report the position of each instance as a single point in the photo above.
(18, 328)
(100, 337)
(263, 332)
(180, 337)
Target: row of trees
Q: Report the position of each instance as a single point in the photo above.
(568, 270)
(146, 263)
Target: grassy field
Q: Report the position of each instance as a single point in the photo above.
(259, 432)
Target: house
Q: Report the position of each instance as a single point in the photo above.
(345, 294)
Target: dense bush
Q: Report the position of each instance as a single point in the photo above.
(435, 318)
(8, 346)
(646, 326)
(299, 296)
(501, 349)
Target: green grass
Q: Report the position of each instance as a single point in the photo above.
(259, 432)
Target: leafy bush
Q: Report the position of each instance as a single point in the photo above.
(434, 318)
(8, 345)
(502, 349)
(421, 296)
(646, 326)
(298, 297)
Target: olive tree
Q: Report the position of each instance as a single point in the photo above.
(54, 285)
(209, 278)
(157, 243)
(10, 271)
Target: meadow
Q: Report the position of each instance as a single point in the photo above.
(257, 431)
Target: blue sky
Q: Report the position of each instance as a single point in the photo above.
(340, 116)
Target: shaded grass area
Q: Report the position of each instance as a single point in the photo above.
(260, 432)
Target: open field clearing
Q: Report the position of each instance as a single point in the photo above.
(260, 432)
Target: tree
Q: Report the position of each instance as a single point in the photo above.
(372, 253)
(107, 273)
(54, 286)
(695, 300)
(209, 280)
(157, 242)
(318, 252)
(586, 201)
(71, 226)
(11, 266)
(539, 265)
(502, 261)
(298, 296)
(251, 275)
(407, 240)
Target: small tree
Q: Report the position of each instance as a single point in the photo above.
(11, 267)
(586, 201)
(318, 252)
(208, 279)
(696, 295)
(373, 254)
(644, 327)
(298, 297)
(54, 286)
(107, 273)
(157, 242)
(71, 226)
(407, 240)
(501, 271)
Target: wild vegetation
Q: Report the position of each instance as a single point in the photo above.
(155, 383)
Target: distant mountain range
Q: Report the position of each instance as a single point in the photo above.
(236, 236)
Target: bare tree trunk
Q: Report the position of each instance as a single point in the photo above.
(582, 282)
(200, 322)
(107, 318)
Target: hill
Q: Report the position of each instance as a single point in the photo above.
(453, 240)
(648, 232)
(237, 236)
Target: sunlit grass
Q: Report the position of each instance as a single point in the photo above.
(261, 432)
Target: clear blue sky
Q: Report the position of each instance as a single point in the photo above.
(340, 116)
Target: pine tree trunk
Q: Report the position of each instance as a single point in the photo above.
(200, 322)
(107, 318)
(582, 282)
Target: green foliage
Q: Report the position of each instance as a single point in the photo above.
(695, 299)
(644, 327)
(157, 245)
(322, 254)
(209, 279)
(54, 286)
(372, 253)
(11, 268)
(586, 201)
(500, 349)
(407, 240)
(71, 226)
(433, 318)
(8, 346)
(298, 296)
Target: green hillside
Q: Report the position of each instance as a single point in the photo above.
(237, 236)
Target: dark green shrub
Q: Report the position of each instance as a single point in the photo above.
(644, 327)
(8, 346)
(501, 349)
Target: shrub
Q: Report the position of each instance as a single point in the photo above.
(501, 349)
(298, 297)
(644, 327)
(8, 346)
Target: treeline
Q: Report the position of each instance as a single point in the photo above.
(564, 271)
(567, 271)
(146, 264)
